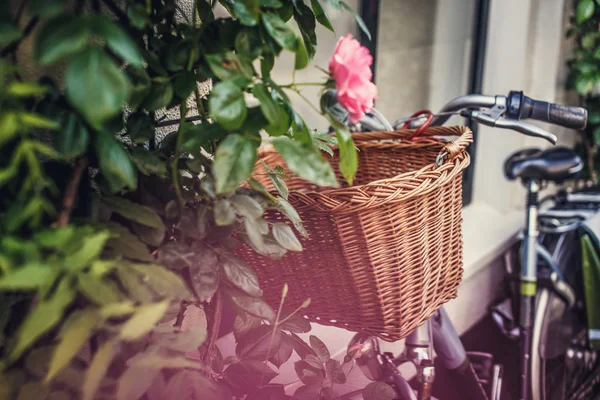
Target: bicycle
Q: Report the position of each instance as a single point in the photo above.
(476, 374)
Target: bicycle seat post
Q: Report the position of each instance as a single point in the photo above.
(528, 285)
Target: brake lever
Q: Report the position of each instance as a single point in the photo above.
(497, 121)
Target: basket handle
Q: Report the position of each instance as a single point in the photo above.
(455, 147)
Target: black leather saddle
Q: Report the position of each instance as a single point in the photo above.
(555, 164)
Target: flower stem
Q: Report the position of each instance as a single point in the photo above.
(305, 99)
(275, 326)
(294, 84)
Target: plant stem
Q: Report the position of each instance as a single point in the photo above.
(213, 327)
(15, 45)
(71, 193)
(305, 99)
(275, 326)
(293, 84)
(174, 169)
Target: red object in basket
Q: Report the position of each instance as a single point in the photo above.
(422, 127)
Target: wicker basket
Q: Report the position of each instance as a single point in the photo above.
(386, 253)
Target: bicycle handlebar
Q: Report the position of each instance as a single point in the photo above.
(523, 107)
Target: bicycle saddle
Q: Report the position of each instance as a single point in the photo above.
(554, 164)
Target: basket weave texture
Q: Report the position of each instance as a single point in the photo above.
(384, 254)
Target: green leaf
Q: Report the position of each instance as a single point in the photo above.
(61, 37)
(246, 375)
(588, 40)
(116, 39)
(279, 121)
(93, 71)
(594, 117)
(279, 31)
(258, 343)
(243, 324)
(290, 212)
(46, 8)
(137, 15)
(584, 11)
(227, 105)
(44, 317)
(9, 33)
(597, 135)
(584, 83)
(204, 273)
(156, 360)
(321, 15)
(348, 153)
(251, 305)
(280, 185)
(267, 63)
(248, 43)
(190, 385)
(285, 237)
(224, 213)
(135, 381)
(55, 238)
(320, 349)
(163, 282)
(76, 331)
(128, 245)
(29, 277)
(228, 66)
(160, 96)
(196, 136)
(26, 89)
(143, 320)
(271, 3)
(358, 19)
(33, 120)
(73, 136)
(296, 324)
(303, 160)
(307, 24)
(205, 11)
(254, 231)
(283, 354)
(301, 55)
(90, 248)
(140, 127)
(247, 11)
(334, 369)
(184, 84)
(183, 341)
(378, 391)
(98, 368)
(238, 272)
(148, 163)
(99, 291)
(9, 124)
(138, 290)
(134, 212)
(247, 206)
(234, 161)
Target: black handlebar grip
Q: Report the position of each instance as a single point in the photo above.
(523, 107)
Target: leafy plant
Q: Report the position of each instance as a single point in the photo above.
(584, 75)
(119, 247)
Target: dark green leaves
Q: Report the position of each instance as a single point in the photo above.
(96, 86)
(116, 39)
(358, 19)
(348, 152)
(115, 165)
(247, 11)
(285, 237)
(252, 305)
(320, 349)
(134, 212)
(584, 83)
(60, 37)
(238, 272)
(140, 127)
(234, 160)
(248, 43)
(279, 31)
(320, 14)
(46, 8)
(148, 163)
(585, 10)
(305, 161)
(279, 121)
(227, 105)
(184, 84)
(72, 137)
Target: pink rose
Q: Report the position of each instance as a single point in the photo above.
(350, 67)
